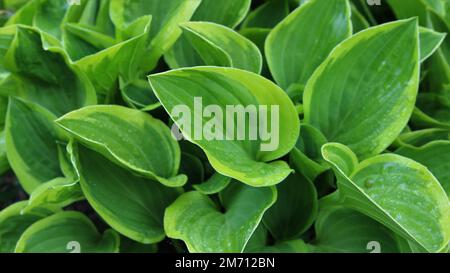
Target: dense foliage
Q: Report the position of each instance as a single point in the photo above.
(88, 97)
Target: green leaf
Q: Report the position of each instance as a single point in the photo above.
(139, 95)
(130, 246)
(13, 223)
(435, 156)
(291, 57)
(31, 145)
(373, 100)
(268, 15)
(422, 137)
(407, 9)
(132, 205)
(215, 184)
(429, 42)
(4, 164)
(192, 167)
(42, 73)
(198, 221)
(129, 137)
(220, 46)
(57, 193)
(293, 246)
(339, 229)
(395, 191)
(166, 17)
(258, 243)
(227, 13)
(306, 157)
(432, 110)
(295, 209)
(49, 16)
(25, 14)
(65, 232)
(359, 22)
(119, 61)
(180, 92)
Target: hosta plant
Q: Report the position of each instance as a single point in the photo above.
(224, 126)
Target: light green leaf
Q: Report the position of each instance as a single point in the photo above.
(49, 16)
(129, 137)
(25, 14)
(292, 57)
(13, 223)
(197, 220)
(220, 46)
(139, 95)
(373, 99)
(57, 193)
(65, 232)
(121, 60)
(31, 144)
(132, 205)
(219, 87)
(215, 184)
(429, 42)
(295, 209)
(422, 137)
(435, 156)
(164, 29)
(306, 157)
(227, 13)
(395, 191)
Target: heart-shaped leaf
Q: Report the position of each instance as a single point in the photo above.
(395, 191)
(31, 144)
(372, 103)
(233, 148)
(291, 56)
(435, 156)
(199, 222)
(129, 137)
(67, 232)
(132, 205)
